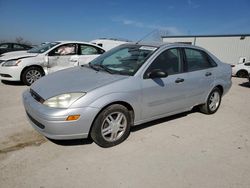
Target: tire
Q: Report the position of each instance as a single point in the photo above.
(112, 126)
(213, 102)
(31, 74)
(242, 74)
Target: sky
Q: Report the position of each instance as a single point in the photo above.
(49, 20)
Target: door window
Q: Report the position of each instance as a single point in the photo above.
(168, 61)
(16, 46)
(89, 50)
(197, 60)
(66, 49)
(4, 46)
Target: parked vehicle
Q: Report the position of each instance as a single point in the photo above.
(127, 86)
(45, 59)
(241, 70)
(17, 53)
(108, 44)
(9, 47)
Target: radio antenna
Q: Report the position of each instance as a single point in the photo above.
(146, 36)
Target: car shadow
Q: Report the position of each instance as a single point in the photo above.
(12, 83)
(163, 120)
(245, 84)
(74, 142)
(87, 141)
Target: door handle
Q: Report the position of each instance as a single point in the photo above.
(73, 60)
(178, 80)
(208, 74)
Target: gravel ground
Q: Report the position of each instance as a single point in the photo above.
(187, 150)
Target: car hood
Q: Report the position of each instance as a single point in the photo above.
(17, 55)
(77, 79)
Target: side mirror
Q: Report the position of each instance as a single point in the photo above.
(157, 73)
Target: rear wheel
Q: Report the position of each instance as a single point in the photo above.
(31, 74)
(242, 74)
(213, 102)
(112, 126)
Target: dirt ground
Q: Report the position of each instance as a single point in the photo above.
(187, 150)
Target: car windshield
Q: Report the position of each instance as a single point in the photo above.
(43, 47)
(125, 60)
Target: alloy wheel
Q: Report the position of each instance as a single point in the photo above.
(114, 126)
(214, 101)
(32, 76)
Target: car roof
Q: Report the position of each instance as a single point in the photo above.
(15, 43)
(79, 42)
(162, 44)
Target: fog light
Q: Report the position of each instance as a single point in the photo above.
(73, 117)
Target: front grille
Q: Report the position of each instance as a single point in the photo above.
(36, 96)
(41, 126)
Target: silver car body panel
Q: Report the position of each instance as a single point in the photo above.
(150, 99)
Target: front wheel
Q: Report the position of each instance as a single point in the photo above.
(213, 102)
(31, 74)
(112, 126)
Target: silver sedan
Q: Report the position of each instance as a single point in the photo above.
(127, 86)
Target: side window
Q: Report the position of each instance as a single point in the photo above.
(89, 50)
(66, 49)
(4, 46)
(247, 64)
(197, 60)
(16, 46)
(168, 61)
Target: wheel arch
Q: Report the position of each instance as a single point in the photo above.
(37, 66)
(241, 70)
(120, 102)
(220, 87)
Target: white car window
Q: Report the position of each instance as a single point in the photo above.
(4, 46)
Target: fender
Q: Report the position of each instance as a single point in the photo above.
(132, 100)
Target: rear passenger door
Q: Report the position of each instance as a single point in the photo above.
(87, 53)
(200, 68)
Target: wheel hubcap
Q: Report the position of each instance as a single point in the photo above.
(214, 101)
(114, 126)
(32, 76)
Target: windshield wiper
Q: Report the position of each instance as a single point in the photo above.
(93, 67)
(98, 66)
(106, 69)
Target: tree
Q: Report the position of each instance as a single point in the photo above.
(20, 40)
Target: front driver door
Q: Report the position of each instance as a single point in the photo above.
(165, 95)
(62, 57)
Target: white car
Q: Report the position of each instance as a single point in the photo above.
(47, 58)
(108, 44)
(241, 70)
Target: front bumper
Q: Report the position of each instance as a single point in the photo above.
(51, 122)
(12, 73)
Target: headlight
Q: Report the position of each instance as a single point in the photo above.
(11, 63)
(63, 100)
